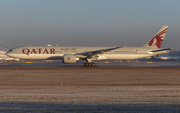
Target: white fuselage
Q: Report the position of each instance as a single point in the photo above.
(57, 52)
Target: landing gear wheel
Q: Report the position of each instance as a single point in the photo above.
(92, 64)
(85, 64)
(89, 64)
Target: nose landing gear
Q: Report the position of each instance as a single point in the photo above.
(18, 64)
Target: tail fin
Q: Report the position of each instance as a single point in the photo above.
(157, 39)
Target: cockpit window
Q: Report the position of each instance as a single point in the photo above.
(10, 50)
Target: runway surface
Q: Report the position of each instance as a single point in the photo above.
(110, 87)
(97, 64)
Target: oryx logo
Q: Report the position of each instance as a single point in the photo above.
(158, 39)
(68, 58)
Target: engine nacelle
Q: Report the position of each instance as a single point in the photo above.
(69, 59)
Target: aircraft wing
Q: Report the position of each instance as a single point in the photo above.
(90, 53)
(161, 50)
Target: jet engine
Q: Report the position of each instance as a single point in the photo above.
(69, 59)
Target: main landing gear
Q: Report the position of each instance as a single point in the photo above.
(89, 64)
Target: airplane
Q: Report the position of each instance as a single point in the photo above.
(4, 57)
(177, 58)
(72, 54)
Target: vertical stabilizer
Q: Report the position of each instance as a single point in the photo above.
(157, 39)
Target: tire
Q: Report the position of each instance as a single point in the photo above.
(18, 64)
(93, 64)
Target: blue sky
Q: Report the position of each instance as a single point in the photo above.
(87, 22)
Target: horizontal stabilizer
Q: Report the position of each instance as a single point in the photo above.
(161, 50)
